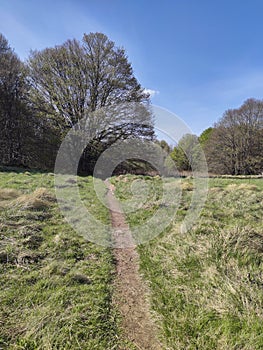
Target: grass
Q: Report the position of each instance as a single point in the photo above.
(206, 285)
(56, 287)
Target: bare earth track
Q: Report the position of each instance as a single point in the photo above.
(131, 294)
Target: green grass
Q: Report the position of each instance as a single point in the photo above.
(206, 285)
(56, 287)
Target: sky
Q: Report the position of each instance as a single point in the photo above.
(197, 58)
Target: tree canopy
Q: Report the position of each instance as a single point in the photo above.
(75, 78)
(60, 86)
(94, 80)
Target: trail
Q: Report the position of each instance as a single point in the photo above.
(131, 294)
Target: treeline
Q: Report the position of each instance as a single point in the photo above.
(234, 145)
(49, 94)
(27, 138)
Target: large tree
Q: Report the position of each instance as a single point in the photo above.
(74, 79)
(92, 80)
(236, 143)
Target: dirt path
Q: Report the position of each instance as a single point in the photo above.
(131, 293)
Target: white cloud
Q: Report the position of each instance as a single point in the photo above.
(151, 92)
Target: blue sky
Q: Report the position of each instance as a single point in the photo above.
(199, 57)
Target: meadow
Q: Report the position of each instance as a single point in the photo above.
(56, 287)
(205, 286)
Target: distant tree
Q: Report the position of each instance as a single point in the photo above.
(180, 159)
(163, 151)
(236, 143)
(205, 136)
(187, 153)
(164, 145)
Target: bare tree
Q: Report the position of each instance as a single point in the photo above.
(74, 79)
(12, 107)
(236, 143)
(92, 80)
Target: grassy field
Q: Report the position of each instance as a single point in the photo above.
(206, 285)
(56, 287)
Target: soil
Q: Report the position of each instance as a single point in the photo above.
(130, 290)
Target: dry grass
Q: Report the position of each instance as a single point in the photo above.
(239, 177)
(207, 284)
(53, 295)
(187, 186)
(9, 193)
(242, 187)
(41, 198)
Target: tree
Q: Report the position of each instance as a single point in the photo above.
(205, 136)
(72, 80)
(75, 81)
(12, 104)
(164, 145)
(236, 143)
(187, 154)
(25, 138)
